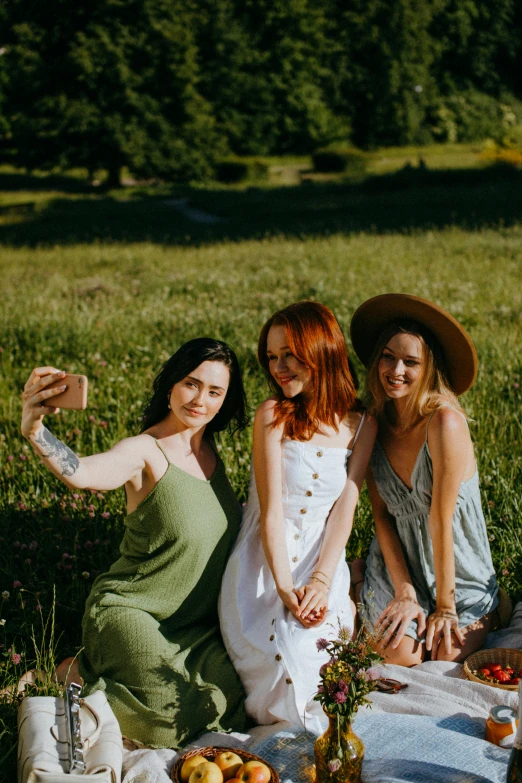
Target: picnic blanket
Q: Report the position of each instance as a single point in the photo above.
(431, 731)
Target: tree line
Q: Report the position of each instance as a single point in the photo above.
(167, 87)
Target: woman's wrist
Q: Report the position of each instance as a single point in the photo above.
(406, 593)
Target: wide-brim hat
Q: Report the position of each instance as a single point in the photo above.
(374, 315)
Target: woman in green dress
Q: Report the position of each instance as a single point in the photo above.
(151, 635)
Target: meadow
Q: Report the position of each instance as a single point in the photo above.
(111, 283)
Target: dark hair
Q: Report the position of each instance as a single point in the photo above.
(232, 413)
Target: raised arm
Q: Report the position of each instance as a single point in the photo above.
(397, 615)
(450, 445)
(340, 521)
(267, 468)
(109, 470)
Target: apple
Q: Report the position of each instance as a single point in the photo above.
(190, 765)
(208, 772)
(254, 772)
(229, 763)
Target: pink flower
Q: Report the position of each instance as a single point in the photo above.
(102, 424)
(334, 765)
(16, 583)
(505, 572)
(92, 418)
(75, 495)
(102, 363)
(65, 556)
(23, 457)
(10, 458)
(22, 506)
(340, 697)
(343, 686)
(16, 658)
(88, 545)
(321, 644)
(74, 505)
(105, 515)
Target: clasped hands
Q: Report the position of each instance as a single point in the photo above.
(439, 626)
(308, 603)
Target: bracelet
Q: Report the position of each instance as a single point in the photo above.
(323, 573)
(316, 579)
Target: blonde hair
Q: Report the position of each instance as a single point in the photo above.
(432, 392)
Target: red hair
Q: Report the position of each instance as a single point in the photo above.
(316, 340)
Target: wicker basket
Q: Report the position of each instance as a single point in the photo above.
(210, 753)
(503, 656)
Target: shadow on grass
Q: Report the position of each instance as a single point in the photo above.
(16, 180)
(411, 199)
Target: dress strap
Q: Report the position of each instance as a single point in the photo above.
(160, 448)
(437, 409)
(359, 428)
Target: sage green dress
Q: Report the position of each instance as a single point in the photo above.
(150, 631)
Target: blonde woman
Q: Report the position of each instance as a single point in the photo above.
(430, 587)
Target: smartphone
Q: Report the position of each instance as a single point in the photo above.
(75, 395)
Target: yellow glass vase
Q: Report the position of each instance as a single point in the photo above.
(339, 753)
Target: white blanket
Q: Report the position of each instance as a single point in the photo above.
(434, 689)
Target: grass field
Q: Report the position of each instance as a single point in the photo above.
(110, 284)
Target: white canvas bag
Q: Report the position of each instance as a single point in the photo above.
(44, 748)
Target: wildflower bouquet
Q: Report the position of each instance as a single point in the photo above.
(347, 678)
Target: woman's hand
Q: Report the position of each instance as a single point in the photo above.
(395, 619)
(37, 398)
(292, 598)
(441, 624)
(313, 602)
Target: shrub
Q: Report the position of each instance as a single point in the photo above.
(472, 115)
(230, 171)
(349, 161)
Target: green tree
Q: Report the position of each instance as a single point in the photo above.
(107, 84)
(386, 68)
(265, 66)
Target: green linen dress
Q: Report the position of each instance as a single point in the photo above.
(150, 631)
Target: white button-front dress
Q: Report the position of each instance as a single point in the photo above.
(275, 656)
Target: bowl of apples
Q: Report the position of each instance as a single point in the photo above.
(499, 667)
(222, 765)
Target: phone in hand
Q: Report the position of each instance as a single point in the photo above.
(74, 397)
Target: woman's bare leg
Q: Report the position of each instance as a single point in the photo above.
(67, 671)
(410, 652)
(474, 637)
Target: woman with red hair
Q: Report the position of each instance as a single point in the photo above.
(287, 574)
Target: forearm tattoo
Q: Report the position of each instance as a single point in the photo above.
(53, 448)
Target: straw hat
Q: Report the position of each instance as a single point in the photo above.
(374, 315)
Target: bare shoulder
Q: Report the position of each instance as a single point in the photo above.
(446, 422)
(370, 425)
(265, 412)
(448, 435)
(141, 445)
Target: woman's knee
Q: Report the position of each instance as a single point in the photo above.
(409, 652)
